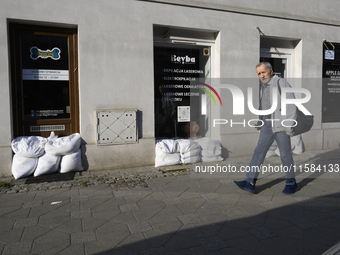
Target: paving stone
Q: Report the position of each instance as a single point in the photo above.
(269, 205)
(121, 193)
(17, 248)
(129, 207)
(154, 251)
(22, 223)
(261, 233)
(172, 201)
(210, 196)
(81, 214)
(335, 214)
(83, 237)
(304, 223)
(233, 212)
(212, 243)
(139, 227)
(79, 198)
(31, 204)
(189, 218)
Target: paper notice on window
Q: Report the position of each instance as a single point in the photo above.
(41, 74)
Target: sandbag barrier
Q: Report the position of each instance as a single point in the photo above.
(187, 151)
(39, 155)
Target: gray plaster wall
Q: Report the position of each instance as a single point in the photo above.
(115, 46)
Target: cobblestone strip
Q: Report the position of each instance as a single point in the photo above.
(88, 179)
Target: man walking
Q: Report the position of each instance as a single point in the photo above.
(272, 130)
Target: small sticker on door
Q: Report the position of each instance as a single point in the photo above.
(38, 53)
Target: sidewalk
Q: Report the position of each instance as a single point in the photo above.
(176, 212)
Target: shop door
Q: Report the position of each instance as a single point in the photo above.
(44, 80)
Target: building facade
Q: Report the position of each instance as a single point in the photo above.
(98, 68)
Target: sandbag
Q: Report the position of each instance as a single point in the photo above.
(186, 145)
(29, 146)
(167, 145)
(191, 160)
(23, 166)
(192, 153)
(63, 145)
(47, 164)
(71, 162)
(209, 144)
(167, 159)
(212, 159)
(211, 153)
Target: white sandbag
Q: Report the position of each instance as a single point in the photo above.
(63, 145)
(167, 159)
(23, 166)
(212, 159)
(211, 153)
(29, 146)
(209, 144)
(297, 144)
(195, 152)
(47, 164)
(52, 136)
(187, 145)
(167, 145)
(191, 160)
(71, 162)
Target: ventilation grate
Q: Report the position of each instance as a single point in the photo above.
(116, 127)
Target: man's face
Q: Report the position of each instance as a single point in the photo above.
(264, 73)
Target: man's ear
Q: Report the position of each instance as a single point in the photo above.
(271, 71)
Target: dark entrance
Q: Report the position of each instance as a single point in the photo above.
(44, 73)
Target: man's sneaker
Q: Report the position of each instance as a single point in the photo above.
(290, 189)
(245, 186)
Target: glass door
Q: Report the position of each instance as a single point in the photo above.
(45, 83)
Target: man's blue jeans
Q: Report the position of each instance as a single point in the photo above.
(265, 141)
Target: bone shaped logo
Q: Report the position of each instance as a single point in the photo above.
(38, 53)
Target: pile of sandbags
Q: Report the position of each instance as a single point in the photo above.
(167, 153)
(38, 155)
(189, 150)
(211, 149)
(27, 151)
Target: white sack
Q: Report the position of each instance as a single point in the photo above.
(63, 145)
(71, 162)
(211, 153)
(209, 144)
(23, 166)
(212, 159)
(166, 159)
(29, 146)
(191, 160)
(297, 144)
(187, 145)
(47, 164)
(167, 146)
(195, 152)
